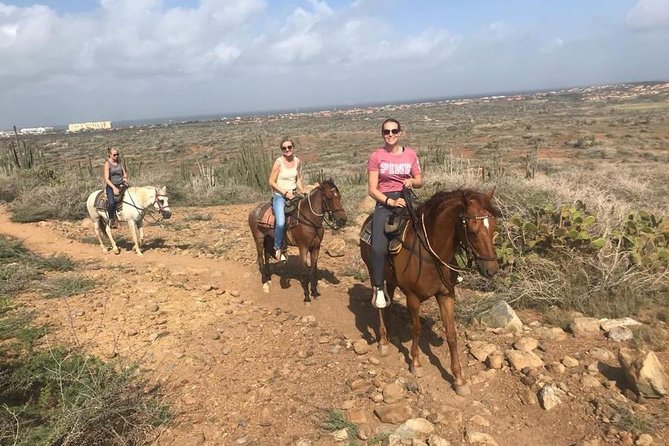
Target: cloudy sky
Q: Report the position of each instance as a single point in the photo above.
(67, 61)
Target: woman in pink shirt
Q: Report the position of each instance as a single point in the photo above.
(390, 169)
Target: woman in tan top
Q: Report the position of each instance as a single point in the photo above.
(284, 179)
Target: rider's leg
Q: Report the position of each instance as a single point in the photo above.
(111, 206)
(379, 253)
(278, 205)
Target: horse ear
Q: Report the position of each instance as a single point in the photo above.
(162, 190)
(492, 192)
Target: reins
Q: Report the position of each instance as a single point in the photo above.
(148, 209)
(326, 215)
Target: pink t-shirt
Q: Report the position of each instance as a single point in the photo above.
(393, 168)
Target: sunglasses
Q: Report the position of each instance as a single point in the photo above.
(387, 132)
(284, 148)
(114, 154)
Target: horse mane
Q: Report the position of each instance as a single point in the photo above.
(455, 198)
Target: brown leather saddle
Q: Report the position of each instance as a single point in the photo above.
(395, 230)
(267, 219)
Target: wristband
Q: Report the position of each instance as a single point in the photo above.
(387, 198)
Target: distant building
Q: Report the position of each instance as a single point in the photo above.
(35, 130)
(89, 126)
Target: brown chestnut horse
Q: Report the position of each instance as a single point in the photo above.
(424, 267)
(322, 204)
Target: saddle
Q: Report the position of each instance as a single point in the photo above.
(396, 226)
(267, 219)
(101, 199)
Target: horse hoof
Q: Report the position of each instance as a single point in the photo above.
(307, 303)
(416, 371)
(384, 349)
(265, 287)
(117, 251)
(463, 389)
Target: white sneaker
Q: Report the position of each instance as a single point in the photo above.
(379, 299)
(279, 256)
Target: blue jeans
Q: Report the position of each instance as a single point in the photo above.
(111, 203)
(380, 240)
(278, 205)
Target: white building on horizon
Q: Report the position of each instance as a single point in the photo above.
(99, 125)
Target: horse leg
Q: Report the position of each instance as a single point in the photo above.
(262, 260)
(413, 302)
(313, 271)
(384, 345)
(447, 309)
(133, 229)
(98, 233)
(111, 238)
(305, 277)
(140, 228)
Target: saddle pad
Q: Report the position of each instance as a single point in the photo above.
(394, 246)
(101, 202)
(267, 219)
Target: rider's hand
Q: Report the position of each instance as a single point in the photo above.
(398, 203)
(408, 183)
(289, 195)
(115, 190)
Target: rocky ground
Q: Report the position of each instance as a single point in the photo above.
(241, 367)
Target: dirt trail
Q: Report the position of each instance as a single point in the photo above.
(239, 366)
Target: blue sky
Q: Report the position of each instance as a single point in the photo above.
(74, 60)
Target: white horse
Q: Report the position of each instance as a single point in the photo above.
(137, 201)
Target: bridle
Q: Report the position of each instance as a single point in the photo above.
(469, 247)
(149, 208)
(327, 214)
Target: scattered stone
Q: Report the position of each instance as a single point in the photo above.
(266, 418)
(528, 397)
(348, 404)
(569, 362)
(644, 372)
(393, 393)
(340, 435)
(589, 382)
(608, 324)
(556, 367)
(551, 333)
(620, 334)
(415, 428)
(481, 349)
(480, 438)
(360, 347)
(526, 344)
(393, 413)
(131, 332)
(214, 335)
(496, 360)
(478, 419)
(502, 316)
(519, 360)
(435, 440)
(235, 293)
(359, 384)
(644, 440)
(602, 354)
(157, 335)
(197, 439)
(550, 396)
(357, 416)
(585, 327)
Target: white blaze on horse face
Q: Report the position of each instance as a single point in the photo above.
(486, 224)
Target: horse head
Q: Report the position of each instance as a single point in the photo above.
(478, 228)
(332, 202)
(161, 202)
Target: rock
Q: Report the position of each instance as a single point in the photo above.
(528, 397)
(265, 417)
(608, 324)
(556, 367)
(502, 316)
(435, 440)
(393, 413)
(356, 416)
(620, 334)
(478, 419)
(569, 362)
(644, 372)
(393, 393)
(526, 344)
(585, 327)
(340, 435)
(359, 384)
(414, 428)
(519, 360)
(481, 349)
(602, 354)
(495, 360)
(550, 396)
(360, 347)
(644, 440)
(334, 246)
(551, 333)
(590, 382)
(480, 438)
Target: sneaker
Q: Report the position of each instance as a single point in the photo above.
(278, 255)
(113, 223)
(379, 299)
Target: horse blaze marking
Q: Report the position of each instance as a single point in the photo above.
(485, 223)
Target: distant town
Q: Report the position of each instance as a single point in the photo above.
(590, 93)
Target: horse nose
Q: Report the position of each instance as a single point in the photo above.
(342, 222)
(166, 214)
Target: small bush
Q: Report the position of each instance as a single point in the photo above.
(69, 285)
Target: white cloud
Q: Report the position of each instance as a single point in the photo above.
(647, 14)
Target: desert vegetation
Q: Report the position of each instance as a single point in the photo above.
(581, 180)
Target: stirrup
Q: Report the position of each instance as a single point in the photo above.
(379, 298)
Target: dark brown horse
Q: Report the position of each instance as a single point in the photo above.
(322, 204)
(424, 266)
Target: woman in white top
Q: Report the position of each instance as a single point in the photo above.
(284, 179)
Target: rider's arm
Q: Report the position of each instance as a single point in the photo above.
(300, 186)
(273, 176)
(416, 181)
(125, 173)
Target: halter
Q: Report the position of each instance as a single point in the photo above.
(148, 209)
